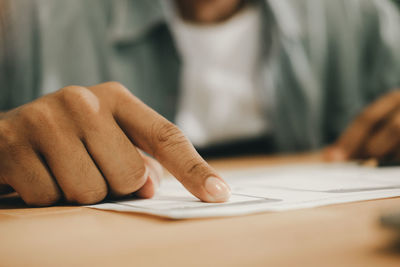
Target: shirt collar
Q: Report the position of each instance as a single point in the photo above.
(133, 19)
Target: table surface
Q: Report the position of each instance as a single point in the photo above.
(337, 235)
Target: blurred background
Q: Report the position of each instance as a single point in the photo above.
(237, 77)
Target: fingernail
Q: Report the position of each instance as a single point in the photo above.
(217, 189)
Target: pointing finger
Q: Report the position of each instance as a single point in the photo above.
(163, 140)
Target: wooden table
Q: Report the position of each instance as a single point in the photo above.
(338, 235)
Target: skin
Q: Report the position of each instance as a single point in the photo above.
(208, 11)
(81, 144)
(375, 133)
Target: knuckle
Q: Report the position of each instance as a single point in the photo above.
(132, 180)
(79, 100)
(115, 87)
(196, 168)
(37, 115)
(69, 93)
(87, 197)
(113, 94)
(111, 88)
(167, 137)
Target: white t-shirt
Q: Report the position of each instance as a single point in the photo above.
(220, 78)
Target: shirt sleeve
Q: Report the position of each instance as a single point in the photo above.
(381, 61)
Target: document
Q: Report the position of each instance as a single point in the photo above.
(271, 189)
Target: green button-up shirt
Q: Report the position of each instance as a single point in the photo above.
(323, 60)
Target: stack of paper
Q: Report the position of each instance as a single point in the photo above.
(272, 189)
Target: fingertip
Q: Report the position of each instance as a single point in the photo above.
(149, 189)
(217, 190)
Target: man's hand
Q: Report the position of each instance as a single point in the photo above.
(375, 133)
(81, 144)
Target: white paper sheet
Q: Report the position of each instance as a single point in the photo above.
(278, 188)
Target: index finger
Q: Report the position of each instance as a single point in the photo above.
(157, 136)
